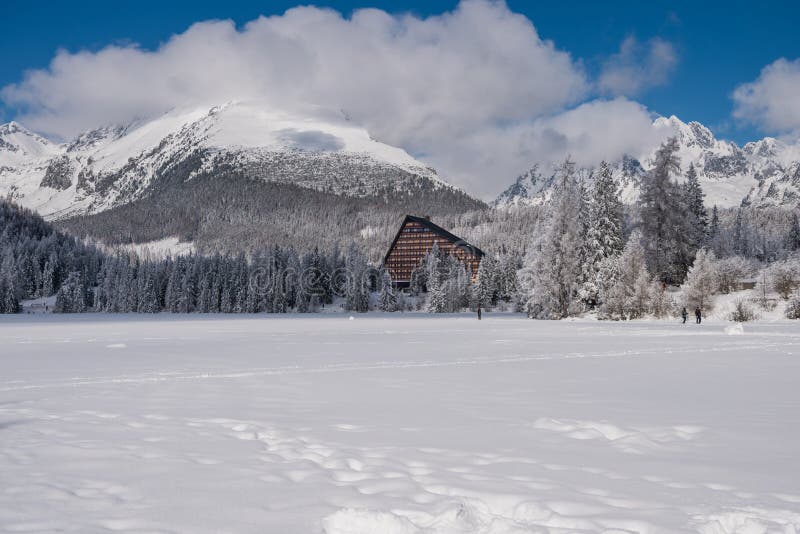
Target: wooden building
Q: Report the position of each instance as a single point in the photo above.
(415, 239)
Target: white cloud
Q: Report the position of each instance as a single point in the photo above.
(475, 92)
(772, 101)
(589, 133)
(477, 64)
(637, 66)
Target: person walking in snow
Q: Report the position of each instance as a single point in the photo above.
(698, 315)
(479, 312)
(684, 314)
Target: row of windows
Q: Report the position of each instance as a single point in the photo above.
(424, 250)
(406, 256)
(426, 244)
(412, 239)
(410, 264)
(458, 252)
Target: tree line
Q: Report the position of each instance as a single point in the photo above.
(591, 253)
(583, 250)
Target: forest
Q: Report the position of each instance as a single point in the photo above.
(290, 249)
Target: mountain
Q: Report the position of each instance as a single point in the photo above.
(230, 178)
(762, 173)
(113, 166)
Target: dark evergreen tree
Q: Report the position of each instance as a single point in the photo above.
(662, 217)
(9, 303)
(71, 296)
(697, 216)
(388, 299)
(741, 234)
(48, 277)
(714, 232)
(794, 233)
(357, 297)
(486, 290)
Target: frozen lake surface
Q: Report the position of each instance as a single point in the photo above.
(393, 424)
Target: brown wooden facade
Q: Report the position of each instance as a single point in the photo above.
(415, 239)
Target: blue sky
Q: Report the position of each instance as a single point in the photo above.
(719, 45)
(480, 90)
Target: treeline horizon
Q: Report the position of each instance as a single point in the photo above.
(583, 250)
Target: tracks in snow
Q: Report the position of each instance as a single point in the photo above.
(19, 385)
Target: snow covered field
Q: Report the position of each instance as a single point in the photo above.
(400, 424)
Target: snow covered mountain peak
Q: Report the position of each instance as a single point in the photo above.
(12, 128)
(759, 174)
(17, 142)
(95, 138)
(702, 135)
(689, 134)
(112, 165)
(314, 129)
(769, 147)
(15, 131)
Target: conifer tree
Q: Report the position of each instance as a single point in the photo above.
(9, 303)
(357, 298)
(388, 299)
(486, 286)
(662, 214)
(604, 236)
(697, 216)
(551, 276)
(148, 298)
(794, 233)
(627, 297)
(702, 281)
(437, 297)
(458, 286)
(48, 277)
(714, 231)
(71, 295)
(435, 282)
(741, 234)
(417, 282)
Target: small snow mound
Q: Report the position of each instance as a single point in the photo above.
(633, 440)
(351, 318)
(734, 329)
(749, 519)
(117, 346)
(355, 521)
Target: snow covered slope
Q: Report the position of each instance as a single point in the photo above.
(762, 173)
(111, 166)
(397, 424)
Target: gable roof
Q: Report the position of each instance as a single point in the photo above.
(438, 230)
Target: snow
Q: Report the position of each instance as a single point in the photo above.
(369, 231)
(18, 145)
(768, 159)
(250, 125)
(24, 157)
(50, 203)
(160, 248)
(115, 153)
(734, 329)
(39, 305)
(396, 424)
(134, 154)
(724, 305)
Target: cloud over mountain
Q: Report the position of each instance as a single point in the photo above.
(478, 64)
(475, 92)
